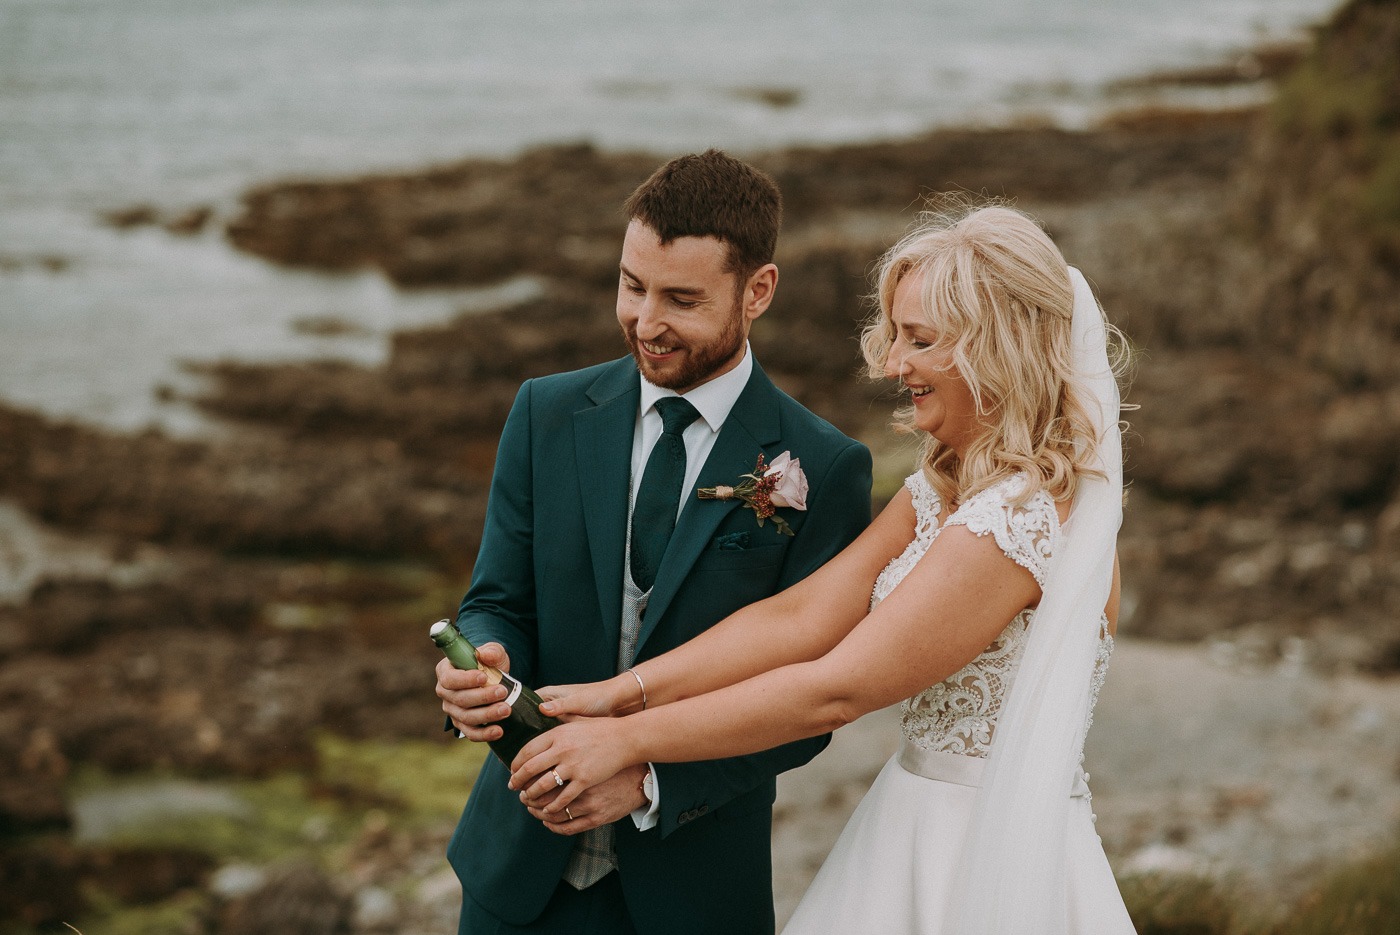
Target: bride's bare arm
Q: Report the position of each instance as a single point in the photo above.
(798, 624)
(948, 609)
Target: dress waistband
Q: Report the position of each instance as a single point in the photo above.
(963, 770)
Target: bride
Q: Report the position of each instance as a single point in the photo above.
(986, 594)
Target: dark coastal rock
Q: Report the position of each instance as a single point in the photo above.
(29, 805)
(144, 875)
(1265, 62)
(48, 262)
(68, 615)
(184, 222)
(1230, 426)
(40, 886)
(132, 216)
(297, 899)
(45, 883)
(190, 221)
(302, 497)
(474, 222)
(480, 221)
(31, 785)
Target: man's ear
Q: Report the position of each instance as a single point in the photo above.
(758, 291)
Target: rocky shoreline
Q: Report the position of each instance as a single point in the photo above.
(342, 505)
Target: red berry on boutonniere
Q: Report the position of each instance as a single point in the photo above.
(780, 484)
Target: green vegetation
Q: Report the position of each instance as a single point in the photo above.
(1163, 904)
(1358, 898)
(379, 601)
(425, 781)
(1344, 103)
(413, 782)
(355, 785)
(1362, 898)
(1324, 100)
(178, 915)
(1381, 196)
(278, 815)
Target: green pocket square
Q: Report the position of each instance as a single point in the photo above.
(732, 541)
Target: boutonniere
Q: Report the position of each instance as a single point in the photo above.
(770, 486)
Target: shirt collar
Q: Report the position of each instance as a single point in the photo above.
(712, 399)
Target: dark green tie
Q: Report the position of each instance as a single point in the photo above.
(659, 497)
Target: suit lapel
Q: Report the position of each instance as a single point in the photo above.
(753, 423)
(603, 447)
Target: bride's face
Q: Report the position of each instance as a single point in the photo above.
(922, 360)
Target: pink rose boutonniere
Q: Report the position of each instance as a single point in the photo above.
(780, 484)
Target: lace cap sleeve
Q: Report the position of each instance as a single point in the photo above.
(1027, 532)
(927, 506)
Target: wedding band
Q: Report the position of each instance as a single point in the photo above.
(557, 780)
(569, 813)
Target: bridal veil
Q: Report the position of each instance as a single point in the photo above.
(1013, 877)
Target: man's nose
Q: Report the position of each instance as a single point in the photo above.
(650, 320)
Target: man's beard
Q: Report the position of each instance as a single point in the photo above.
(700, 363)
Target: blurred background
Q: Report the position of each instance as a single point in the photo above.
(271, 273)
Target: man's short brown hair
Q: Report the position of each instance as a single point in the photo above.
(712, 194)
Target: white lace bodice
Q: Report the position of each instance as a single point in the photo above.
(959, 714)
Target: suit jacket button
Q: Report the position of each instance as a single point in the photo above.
(702, 810)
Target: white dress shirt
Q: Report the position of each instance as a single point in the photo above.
(713, 400)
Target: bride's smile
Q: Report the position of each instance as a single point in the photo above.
(922, 361)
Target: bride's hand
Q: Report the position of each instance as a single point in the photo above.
(589, 703)
(590, 699)
(569, 760)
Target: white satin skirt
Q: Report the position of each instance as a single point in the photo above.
(892, 868)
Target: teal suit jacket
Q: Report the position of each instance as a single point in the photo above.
(547, 585)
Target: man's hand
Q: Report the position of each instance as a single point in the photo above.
(598, 805)
(473, 705)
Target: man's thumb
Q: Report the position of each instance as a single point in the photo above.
(493, 654)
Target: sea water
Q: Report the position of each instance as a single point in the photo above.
(109, 103)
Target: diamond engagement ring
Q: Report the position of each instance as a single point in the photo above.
(557, 780)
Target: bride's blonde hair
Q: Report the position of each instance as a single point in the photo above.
(997, 294)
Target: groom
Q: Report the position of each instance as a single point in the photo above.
(597, 554)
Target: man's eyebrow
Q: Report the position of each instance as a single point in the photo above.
(673, 290)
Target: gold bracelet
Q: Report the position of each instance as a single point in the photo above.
(642, 686)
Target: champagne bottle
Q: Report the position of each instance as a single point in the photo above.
(525, 722)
